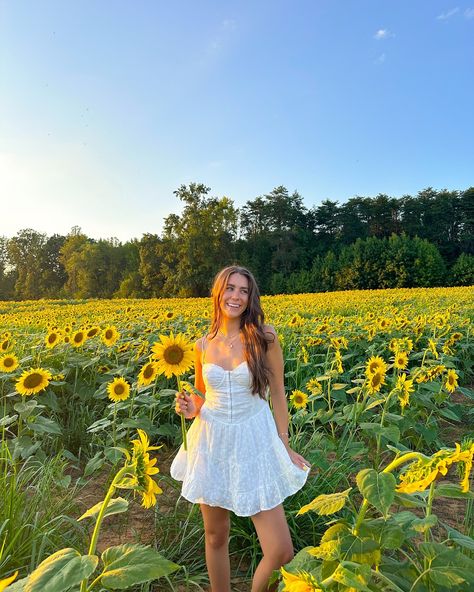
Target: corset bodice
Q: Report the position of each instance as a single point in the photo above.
(229, 395)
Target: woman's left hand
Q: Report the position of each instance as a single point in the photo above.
(298, 460)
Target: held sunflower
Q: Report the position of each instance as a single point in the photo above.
(8, 363)
(118, 389)
(173, 354)
(33, 381)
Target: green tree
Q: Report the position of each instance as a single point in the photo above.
(24, 253)
(199, 242)
(462, 273)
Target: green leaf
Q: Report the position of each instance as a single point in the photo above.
(117, 505)
(466, 542)
(424, 524)
(129, 565)
(25, 408)
(452, 490)
(353, 575)
(377, 488)
(43, 425)
(7, 420)
(93, 464)
(61, 571)
(392, 433)
(18, 585)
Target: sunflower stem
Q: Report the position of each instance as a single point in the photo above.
(100, 517)
(183, 423)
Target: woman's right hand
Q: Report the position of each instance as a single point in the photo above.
(185, 405)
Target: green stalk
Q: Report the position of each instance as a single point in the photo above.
(388, 469)
(183, 423)
(100, 517)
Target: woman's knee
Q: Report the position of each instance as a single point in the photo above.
(217, 538)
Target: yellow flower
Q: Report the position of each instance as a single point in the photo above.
(401, 360)
(338, 361)
(110, 335)
(78, 338)
(314, 387)
(118, 389)
(420, 474)
(376, 364)
(5, 344)
(432, 346)
(145, 468)
(8, 363)
(7, 581)
(375, 381)
(168, 315)
(451, 381)
(174, 355)
(33, 381)
(299, 399)
(52, 339)
(301, 582)
(404, 388)
(147, 374)
(92, 331)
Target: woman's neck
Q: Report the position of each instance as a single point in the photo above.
(229, 327)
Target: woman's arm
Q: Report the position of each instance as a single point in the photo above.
(277, 392)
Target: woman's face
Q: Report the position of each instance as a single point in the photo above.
(235, 297)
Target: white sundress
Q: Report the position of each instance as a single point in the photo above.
(235, 458)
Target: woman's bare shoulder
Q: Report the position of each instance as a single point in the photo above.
(270, 333)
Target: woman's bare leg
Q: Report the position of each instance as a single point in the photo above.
(275, 540)
(216, 529)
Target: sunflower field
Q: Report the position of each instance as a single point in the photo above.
(380, 388)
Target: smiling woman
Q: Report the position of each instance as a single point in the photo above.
(238, 458)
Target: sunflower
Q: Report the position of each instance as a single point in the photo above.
(375, 381)
(110, 335)
(169, 314)
(451, 381)
(376, 364)
(145, 468)
(401, 360)
(314, 386)
(92, 332)
(8, 363)
(147, 374)
(7, 581)
(118, 389)
(78, 338)
(301, 582)
(404, 388)
(174, 355)
(33, 381)
(299, 399)
(5, 344)
(52, 339)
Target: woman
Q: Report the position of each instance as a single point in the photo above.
(238, 457)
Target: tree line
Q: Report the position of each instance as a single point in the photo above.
(365, 243)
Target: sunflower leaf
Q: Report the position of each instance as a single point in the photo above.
(117, 505)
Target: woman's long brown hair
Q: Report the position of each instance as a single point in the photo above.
(251, 325)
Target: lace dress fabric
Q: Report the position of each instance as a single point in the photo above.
(235, 458)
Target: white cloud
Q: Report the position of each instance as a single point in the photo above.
(469, 13)
(383, 34)
(444, 16)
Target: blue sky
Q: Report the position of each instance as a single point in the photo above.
(108, 106)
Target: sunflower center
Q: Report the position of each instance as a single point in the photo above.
(33, 380)
(108, 334)
(7, 362)
(119, 389)
(78, 337)
(52, 338)
(173, 354)
(148, 371)
(376, 379)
